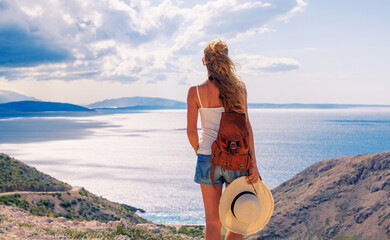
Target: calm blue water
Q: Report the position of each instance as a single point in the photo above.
(144, 159)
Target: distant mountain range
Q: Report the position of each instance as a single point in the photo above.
(9, 96)
(38, 106)
(163, 103)
(139, 103)
(135, 103)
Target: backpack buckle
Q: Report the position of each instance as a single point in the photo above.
(233, 145)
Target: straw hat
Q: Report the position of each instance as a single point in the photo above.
(245, 208)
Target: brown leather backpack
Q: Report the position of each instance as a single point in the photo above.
(231, 149)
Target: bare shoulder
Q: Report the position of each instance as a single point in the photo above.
(191, 94)
(203, 84)
(191, 90)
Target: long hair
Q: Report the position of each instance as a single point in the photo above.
(222, 72)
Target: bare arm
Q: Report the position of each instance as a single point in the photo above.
(254, 174)
(252, 143)
(192, 119)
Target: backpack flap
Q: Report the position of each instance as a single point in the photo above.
(233, 126)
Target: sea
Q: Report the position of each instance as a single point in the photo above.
(144, 159)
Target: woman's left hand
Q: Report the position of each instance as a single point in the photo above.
(254, 175)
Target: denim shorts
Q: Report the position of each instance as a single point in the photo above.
(203, 168)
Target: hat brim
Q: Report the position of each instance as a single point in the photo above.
(232, 223)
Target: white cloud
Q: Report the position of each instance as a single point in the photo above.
(33, 12)
(299, 7)
(252, 64)
(137, 40)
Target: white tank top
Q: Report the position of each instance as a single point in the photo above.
(210, 119)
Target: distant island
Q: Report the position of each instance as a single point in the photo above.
(163, 103)
(139, 103)
(120, 105)
(40, 106)
(17, 102)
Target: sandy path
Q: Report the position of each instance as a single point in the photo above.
(74, 189)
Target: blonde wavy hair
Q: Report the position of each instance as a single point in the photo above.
(221, 71)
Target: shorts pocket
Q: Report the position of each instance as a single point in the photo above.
(203, 168)
(232, 175)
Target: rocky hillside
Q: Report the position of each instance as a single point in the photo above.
(17, 224)
(72, 205)
(340, 198)
(34, 205)
(17, 176)
(47, 196)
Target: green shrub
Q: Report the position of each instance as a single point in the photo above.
(45, 202)
(135, 232)
(83, 192)
(10, 200)
(348, 237)
(24, 205)
(192, 231)
(65, 204)
(172, 229)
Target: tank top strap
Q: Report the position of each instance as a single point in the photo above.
(197, 90)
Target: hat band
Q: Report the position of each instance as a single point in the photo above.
(235, 199)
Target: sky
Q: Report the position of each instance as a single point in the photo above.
(289, 51)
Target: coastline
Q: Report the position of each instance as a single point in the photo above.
(352, 189)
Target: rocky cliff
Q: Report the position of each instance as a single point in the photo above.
(340, 198)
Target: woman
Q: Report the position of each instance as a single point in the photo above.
(222, 90)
